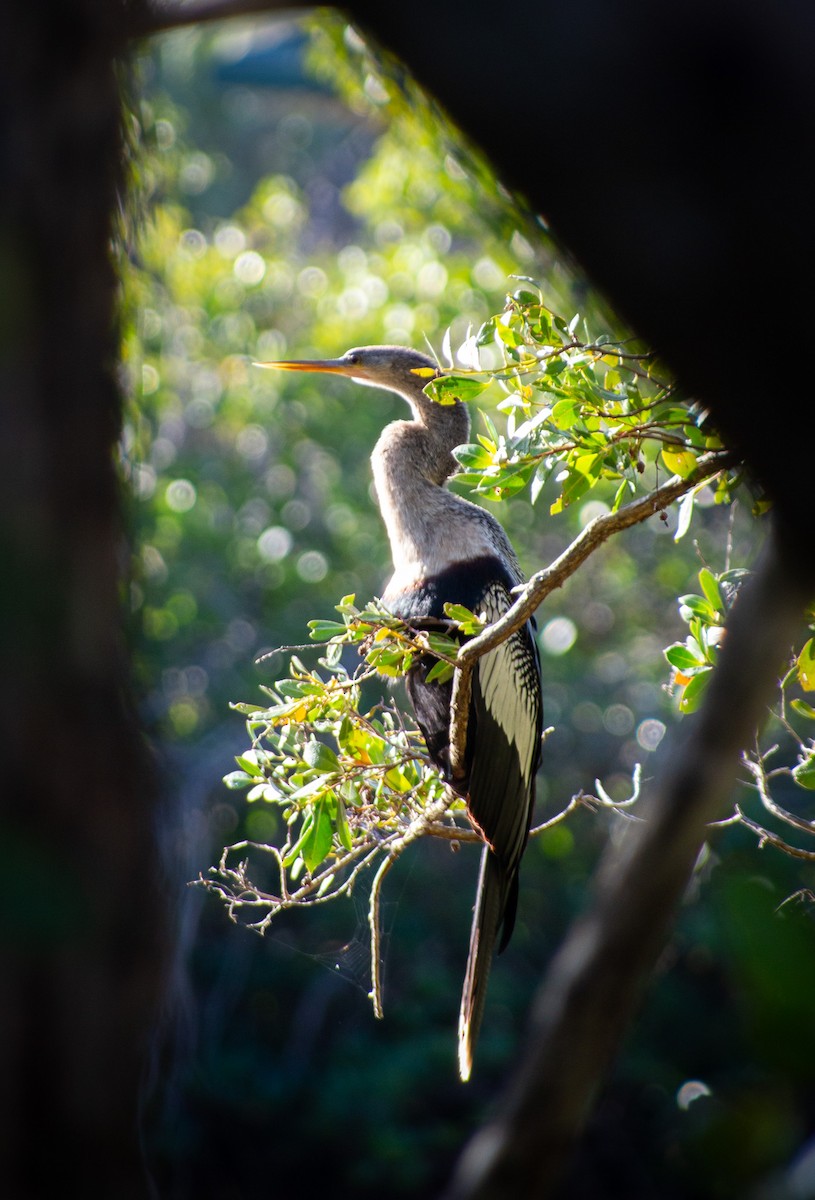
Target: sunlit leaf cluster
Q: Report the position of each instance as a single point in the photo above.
(580, 409)
(344, 780)
(250, 515)
(694, 659)
(693, 662)
(243, 496)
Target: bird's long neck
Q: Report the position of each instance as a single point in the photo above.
(412, 462)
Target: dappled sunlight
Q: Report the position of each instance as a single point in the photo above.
(284, 223)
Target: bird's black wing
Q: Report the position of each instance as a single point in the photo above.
(504, 740)
(501, 755)
(506, 719)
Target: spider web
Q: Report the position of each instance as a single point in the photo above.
(349, 959)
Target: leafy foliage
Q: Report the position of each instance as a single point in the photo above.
(694, 659)
(344, 801)
(251, 515)
(582, 410)
(365, 780)
(693, 662)
(591, 414)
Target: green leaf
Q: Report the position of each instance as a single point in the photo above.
(575, 486)
(540, 477)
(321, 757)
(565, 413)
(691, 605)
(625, 489)
(441, 644)
(440, 672)
(682, 658)
(450, 388)
(684, 515)
(804, 773)
(317, 844)
(486, 333)
(238, 779)
(248, 710)
(293, 688)
(396, 779)
(343, 828)
(333, 656)
(585, 471)
(710, 587)
(467, 621)
(803, 709)
(806, 666)
(307, 791)
(391, 661)
(691, 696)
(679, 462)
(473, 456)
(248, 763)
(526, 298)
(323, 631)
(305, 832)
(508, 335)
(489, 425)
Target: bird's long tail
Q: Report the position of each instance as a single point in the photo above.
(490, 902)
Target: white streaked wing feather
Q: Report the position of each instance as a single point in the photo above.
(509, 694)
(509, 685)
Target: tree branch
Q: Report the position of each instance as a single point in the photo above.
(159, 18)
(417, 828)
(543, 582)
(756, 768)
(595, 979)
(766, 837)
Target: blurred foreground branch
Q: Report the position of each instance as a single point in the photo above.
(596, 978)
(177, 14)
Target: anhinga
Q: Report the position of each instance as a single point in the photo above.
(446, 549)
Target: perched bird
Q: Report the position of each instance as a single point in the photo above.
(446, 549)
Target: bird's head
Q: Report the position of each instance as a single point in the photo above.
(394, 368)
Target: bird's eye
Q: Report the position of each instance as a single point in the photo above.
(352, 358)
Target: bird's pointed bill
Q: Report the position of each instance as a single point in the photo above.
(333, 365)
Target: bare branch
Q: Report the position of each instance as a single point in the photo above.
(765, 837)
(756, 768)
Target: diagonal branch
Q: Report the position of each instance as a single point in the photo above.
(547, 580)
(596, 978)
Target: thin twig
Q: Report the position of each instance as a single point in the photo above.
(375, 994)
(415, 830)
(756, 768)
(765, 837)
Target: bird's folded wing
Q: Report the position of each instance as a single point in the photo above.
(506, 739)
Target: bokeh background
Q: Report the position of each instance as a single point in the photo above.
(291, 199)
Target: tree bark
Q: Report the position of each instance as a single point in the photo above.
(595, 981)
(661, 143)
(80, 917)
(656, 122)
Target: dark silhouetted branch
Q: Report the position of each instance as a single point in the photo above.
(596, 978)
